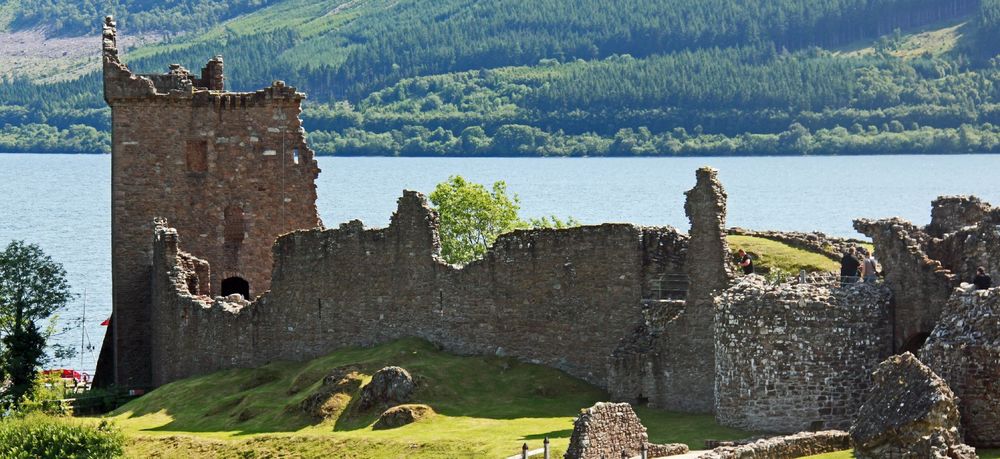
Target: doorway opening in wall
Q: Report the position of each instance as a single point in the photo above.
(914, 344)
(236, 285)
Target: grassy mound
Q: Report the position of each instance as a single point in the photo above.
(774, 255)
(484, 407)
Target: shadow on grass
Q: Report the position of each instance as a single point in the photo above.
(566, 433)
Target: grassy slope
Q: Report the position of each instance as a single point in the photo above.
(487, 407)
(773, 254)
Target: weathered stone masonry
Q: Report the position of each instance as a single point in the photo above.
(231, 171)
(669, 357)
(796, 357)
(562, 298)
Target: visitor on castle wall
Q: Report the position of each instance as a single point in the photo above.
(849, 266)
(745, 262)
(869, 269)
(982, 281)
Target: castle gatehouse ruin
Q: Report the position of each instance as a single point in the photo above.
(220, 261)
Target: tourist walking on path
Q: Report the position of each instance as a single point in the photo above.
(982, 281)
(869, 268)
(849, 266)
(746, 262)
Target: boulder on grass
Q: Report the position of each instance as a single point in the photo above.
(389, 386)
(334, 394)
(402, 415)
(909, 412)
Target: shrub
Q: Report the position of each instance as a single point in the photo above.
(37, 435)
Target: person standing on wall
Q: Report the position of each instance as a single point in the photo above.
(745, 262)
(849, 266)
(869, 268)
(982, 281)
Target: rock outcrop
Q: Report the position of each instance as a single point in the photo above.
(606, 429)
(389, 386)
(402, 415)
(334, 393)
(964, 349)
(910, 412)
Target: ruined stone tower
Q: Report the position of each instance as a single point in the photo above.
(230, 171)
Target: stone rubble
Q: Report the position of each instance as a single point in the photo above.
(909, 413)
(787, 447)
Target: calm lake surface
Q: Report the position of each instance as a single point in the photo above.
(62, 202)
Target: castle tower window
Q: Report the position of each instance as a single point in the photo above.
(235, 229)
(197, 155)
(295, 156)
(236, 285)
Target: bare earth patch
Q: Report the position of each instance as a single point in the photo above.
(28, 53)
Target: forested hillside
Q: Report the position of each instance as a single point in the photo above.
(559, 77)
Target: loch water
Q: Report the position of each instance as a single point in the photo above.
(63, 202)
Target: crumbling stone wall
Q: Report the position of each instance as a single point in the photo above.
(231, 171)
(606, 429)
(791, 446)
(796, 357)
(909, 412)
(952, 213)
(964, 349)
(668, 358)
(920, 285)
(562, 298)
(970, 247)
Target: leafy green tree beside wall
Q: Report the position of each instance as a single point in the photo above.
(473, 216)
(32, 289)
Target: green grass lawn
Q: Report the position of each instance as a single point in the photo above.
(778, 255)
(486, 407)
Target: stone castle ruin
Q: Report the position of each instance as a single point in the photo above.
(232, 171)
(220, 261)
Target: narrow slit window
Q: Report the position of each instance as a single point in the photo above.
(295, 156)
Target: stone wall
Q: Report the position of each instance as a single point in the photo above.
(796, 357)
(964, 349)
(605, 430)
(970, 247)
(952, 213)
(920, 285)
(562, 298)
(231, 171)
(792, 446)
(668, 358)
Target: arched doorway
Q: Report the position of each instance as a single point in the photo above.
(236, 285)
(914, 343)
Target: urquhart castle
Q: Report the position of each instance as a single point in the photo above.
(220, 261)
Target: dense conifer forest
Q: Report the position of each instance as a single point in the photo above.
(555, 77)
